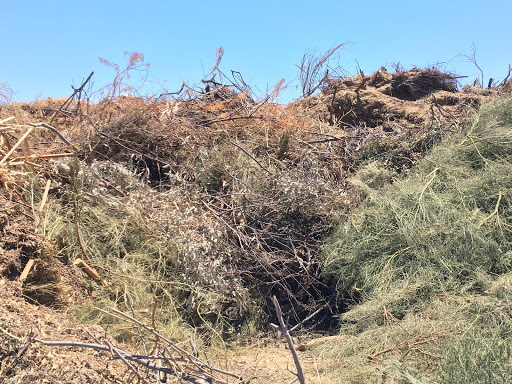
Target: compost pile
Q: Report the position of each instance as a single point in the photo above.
(195, 209)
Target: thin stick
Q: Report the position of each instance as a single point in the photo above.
(5, 141)
(12, 163)
(129, 301)
(409, 344)
(11, 335)
(286, 334)
(99, 347)
(207, 122)
(68, 101)
(52, 155)
(127, 363)
(45, 195)
(259, 105)
(56, 131)
(506, 78)
(91, 272)
(6, 120)
(307, 318)
(153, 313)
(20, 141)
(17, 358)
(26, 153)
(191, 358)
(79, 234)
(252, 157)
(153, 322)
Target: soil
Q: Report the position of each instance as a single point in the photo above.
(23, 361)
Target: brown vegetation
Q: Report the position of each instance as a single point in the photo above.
(231, 198)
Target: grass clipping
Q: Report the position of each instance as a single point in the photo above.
(426, 261)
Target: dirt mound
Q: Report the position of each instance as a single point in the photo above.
(392, 118)
(394, 101)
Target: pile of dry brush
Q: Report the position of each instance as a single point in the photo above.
(214, 201)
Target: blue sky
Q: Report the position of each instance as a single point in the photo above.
(49, 45)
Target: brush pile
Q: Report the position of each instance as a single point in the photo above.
(198, 207)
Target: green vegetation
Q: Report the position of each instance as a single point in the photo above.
(426, 260)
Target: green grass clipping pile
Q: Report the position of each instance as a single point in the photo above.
(423, 267)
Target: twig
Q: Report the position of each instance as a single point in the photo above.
(320, 340)
(6, 120)
(20, 141)
(284, 331)
(506, 77)
(331, 107)
(91, 272)
(252, 157)
(18, 356)
(307, 318)
(53, 343)
(153, 323)
(409, 343)
(190, 358)
(155, 303)
(45, 196)
(472, 59)
(56, 131)
(208, 122)
(324, 140)
(79, 234)
(126, 362)
(142, 338)
(259, 105)
(173, 93)
(120, 354)
(70, 98)
(10, 335)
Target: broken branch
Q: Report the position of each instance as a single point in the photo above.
(286, 334)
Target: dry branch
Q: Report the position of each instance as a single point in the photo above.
(18, 143)
(252, 157)
(78, 91)
(286, 334)
(7, 120)
(297, 326)
(45, 195)
(6, 369)
(311, 74)
(21, 154)
(178, 367)
(191, 366)
(409, 344)
(56, 131)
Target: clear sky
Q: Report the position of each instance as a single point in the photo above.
(49, 45)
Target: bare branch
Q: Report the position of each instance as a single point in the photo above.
(284, 331)
(311, 74)
(472, 59)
